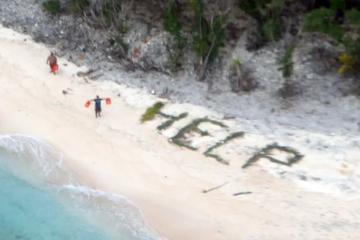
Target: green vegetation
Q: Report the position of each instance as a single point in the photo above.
(268, 13)
(172, 23)
(52, 6)
(272, 29)
(110, 10)
(180, 138)
(208, 153)
(286, 63)
(286, 67)
(122, 29)
(208, 36)
(125, 47)
(156, 110)
(208, 39)
(236, 62)
(337, 4)
(151, 112)
(322, 21)
(348, 62)
(352, 44)
(173, 26)
(78, 6)
(353, 16)
(171, 120)
(294, 156)
(252, 7)
(204, 26)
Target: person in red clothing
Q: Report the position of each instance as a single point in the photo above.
(52, 60)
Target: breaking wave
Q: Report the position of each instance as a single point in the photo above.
(37, 163)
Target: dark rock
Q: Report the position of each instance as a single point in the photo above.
(255, 40)
(129, 66)
(316, 179)
(290, 89)
(302, 177)
(242, 78)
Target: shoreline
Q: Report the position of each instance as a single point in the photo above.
(45, 115)
(112, 214)
(116, 154)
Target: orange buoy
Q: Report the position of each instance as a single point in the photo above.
(80, 58)
(87, 104)
(108, 101)
(54, 67)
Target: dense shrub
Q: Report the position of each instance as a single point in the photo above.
(208, 37)
(52, 6)
(322, 20)
(110, 10)
(268, 13)
(173, 26)
(172, 23)
(78, 6)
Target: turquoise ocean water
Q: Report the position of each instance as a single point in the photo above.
(41, 200)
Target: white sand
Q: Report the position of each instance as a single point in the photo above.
(117, 154)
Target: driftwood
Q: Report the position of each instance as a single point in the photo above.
(228, 117)
(58, 54)
(224, 8)
(95, 77)
(241, 193)
(85, 73)
(216, 187)
(86, 80)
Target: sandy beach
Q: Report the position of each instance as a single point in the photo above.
(318, 198)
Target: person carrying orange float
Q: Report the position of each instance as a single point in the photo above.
(52, 60)
(97, 101)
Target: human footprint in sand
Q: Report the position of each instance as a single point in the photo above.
(97, 101)
(52, 60)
